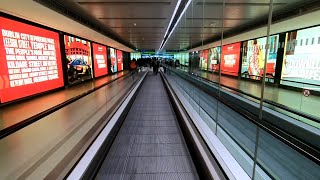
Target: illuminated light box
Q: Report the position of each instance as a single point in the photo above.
(120, 60)
(100, 60)
(114, 62)
(204, 59)
(230, 59)
(214, 59)
(30, 60)
(254, 57)
(301, 63)
(78, 57)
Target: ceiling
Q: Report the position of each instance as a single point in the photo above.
(143, 23)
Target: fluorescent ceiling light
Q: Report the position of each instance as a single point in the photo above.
(184, 10)
(172, 17)
(161, 44)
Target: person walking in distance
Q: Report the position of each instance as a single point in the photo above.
(155, 67)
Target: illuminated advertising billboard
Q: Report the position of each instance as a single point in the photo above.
(301, 61)
(204, 59)
(100, 60)
(119, 60)
(254, 57)
(185, 57)
(78, 57)
(230, 59)
(214, 58)
(135, 56)
(113, 57)
(30, 60)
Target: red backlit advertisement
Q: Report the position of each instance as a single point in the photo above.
(30, 60)
(230, 59)
(120, 60)
(100, 60)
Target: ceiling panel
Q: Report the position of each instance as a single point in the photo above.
(139, 22)
(143, 23)
(206, 17)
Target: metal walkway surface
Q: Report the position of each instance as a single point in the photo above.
(150, 144)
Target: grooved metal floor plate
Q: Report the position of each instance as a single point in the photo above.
(149, 144)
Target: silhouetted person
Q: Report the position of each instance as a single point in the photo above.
(155, 67)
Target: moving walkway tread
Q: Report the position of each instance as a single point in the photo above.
(150, 144)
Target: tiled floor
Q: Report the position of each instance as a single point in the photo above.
(150, 144)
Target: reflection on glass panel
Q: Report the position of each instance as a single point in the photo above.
(279, 161)
(238, 135)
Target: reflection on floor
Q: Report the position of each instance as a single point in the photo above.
(15, 113)
(45, 148)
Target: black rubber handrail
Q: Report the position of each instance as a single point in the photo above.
(182, 114)
(246, 151)
(100, 156)
(281, 106)
(307, 150)
(298, 82)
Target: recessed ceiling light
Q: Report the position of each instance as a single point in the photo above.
(134, 24)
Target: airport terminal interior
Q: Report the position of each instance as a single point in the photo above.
(160, 89)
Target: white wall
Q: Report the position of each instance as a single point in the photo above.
(32, 11)
(298, 22)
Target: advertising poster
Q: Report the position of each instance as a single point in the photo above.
(230, 59)
(182, 58)
(214, 58)
(177, 56)
(100, 60)
(301, 61)
(30, 60)
(186, 57)
(204, 59)
(113, 57)
(254, 57)
(78, 57)
(119, 60)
